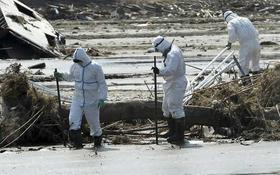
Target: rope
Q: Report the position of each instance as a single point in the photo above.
(278, 110)
(40, 114)
(14, 131)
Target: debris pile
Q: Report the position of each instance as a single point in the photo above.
(29, 117)
(132, 9)
(91, 51)
(255, 105)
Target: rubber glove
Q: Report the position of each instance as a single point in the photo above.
(58, 75)
(155, 70)
(228, 45)
(101, 103)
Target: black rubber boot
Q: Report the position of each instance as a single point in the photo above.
(75, 139)
(246, 80)
(171, 128)
(97, 141)
(178, 137)
(258, 72)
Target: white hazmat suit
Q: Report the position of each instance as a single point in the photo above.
(173, 72)
(90, 87)
(241, 29)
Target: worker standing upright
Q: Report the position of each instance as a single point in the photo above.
(89, 96)
(173, 72)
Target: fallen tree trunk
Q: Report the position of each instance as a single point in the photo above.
(195, 115)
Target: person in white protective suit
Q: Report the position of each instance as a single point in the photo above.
(89, 96)
(241, 29)
(173, 72)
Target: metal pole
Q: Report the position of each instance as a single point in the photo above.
(238, 65)
(59, 109)
(208, 65)
(193, 66)
(58, 91)
(209, 78)
(213, 72)
(155, 84)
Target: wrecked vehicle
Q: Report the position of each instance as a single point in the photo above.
(24, 34)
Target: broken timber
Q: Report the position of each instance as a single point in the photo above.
(38, 66)
(195, 115)
(24, 34)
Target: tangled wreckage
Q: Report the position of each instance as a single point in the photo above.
(25, 34)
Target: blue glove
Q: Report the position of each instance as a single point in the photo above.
(101, 103)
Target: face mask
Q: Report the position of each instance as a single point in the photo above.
(77, 61)
(156, 49)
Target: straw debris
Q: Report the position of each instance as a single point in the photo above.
(248, 104)
(29, 117)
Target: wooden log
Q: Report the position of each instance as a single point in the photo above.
(195, 115)
(38, 66)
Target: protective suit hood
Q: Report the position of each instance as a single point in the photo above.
(161, 44)
(229, 15)
(80, 54)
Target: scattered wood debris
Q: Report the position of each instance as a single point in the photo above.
(131, 9)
